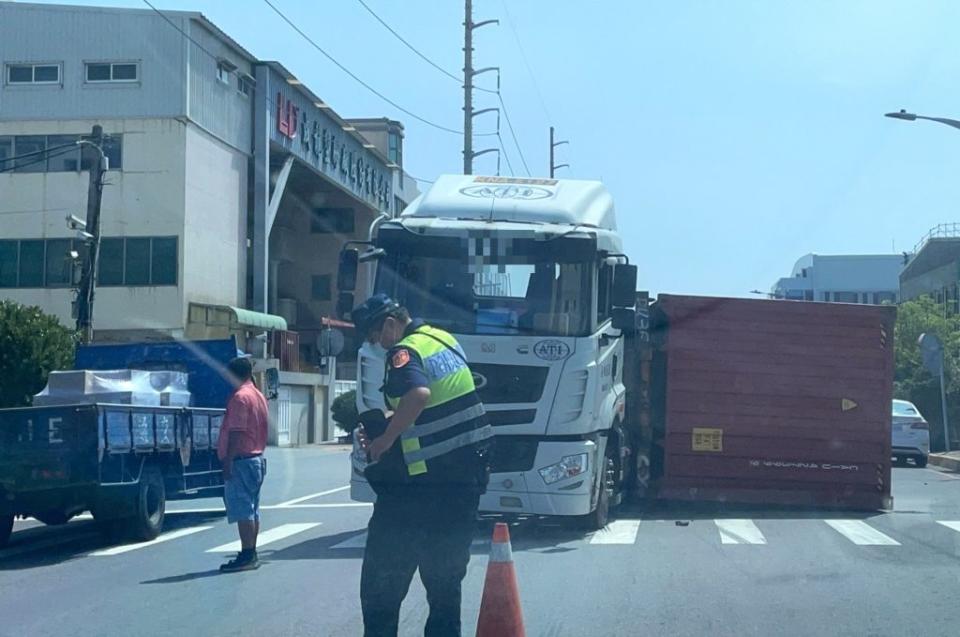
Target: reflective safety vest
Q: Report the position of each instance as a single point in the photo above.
(453, 417)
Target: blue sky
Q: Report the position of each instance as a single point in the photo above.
(735, 136)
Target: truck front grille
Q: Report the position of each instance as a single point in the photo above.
(510, 383)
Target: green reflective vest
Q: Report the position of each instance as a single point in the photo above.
(453, 417)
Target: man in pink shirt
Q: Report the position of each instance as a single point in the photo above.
(243, 438)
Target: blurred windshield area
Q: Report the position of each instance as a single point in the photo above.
(542, 298)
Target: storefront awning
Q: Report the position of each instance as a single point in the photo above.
(250, 318)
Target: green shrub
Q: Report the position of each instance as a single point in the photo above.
(32, 344)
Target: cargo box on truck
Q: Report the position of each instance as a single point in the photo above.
(773, 402)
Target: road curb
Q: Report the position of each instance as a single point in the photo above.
(950, 462)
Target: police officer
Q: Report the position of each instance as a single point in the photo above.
(429, 468)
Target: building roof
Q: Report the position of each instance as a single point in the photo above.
(193, 15)
(936, 252)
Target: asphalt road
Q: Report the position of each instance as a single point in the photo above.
(676, 571)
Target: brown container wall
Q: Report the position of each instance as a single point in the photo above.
(776, 402)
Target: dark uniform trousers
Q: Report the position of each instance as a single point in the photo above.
(411, 529)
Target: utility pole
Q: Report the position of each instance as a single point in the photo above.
(468, 74)
(91, 233)
(553, 144)
(468, 88)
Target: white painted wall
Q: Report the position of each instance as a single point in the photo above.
(215, 213)
(144, 199)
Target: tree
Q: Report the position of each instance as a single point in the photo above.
(32, 344)
(914, 383)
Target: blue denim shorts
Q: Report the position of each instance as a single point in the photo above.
(241, 493)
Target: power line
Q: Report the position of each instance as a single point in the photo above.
(455, 78)
(526, 62)
(513, 134)
(47, 155)
(37, 152)
(506, 156)
(355, 77)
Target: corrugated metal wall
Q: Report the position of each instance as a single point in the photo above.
(72, 36)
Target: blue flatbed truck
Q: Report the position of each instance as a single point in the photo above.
(120, 462)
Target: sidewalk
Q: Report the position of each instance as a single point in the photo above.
(949, 460)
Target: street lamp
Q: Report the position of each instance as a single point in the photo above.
(910, 117)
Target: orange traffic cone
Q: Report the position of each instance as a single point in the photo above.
(500, 614)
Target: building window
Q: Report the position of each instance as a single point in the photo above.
(137, 261)
(320, 287)
(110, 262)
(225, 71)
(332, 221)
(882, 298)
(244, 85)
(57, 153)
(395, 149)
(825, 296)
(808, 295)
(31, 150)
(97, 72)
(33, 74)
(845, 297)
(38, 263)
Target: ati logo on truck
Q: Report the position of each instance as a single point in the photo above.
(494, 191)
(551, 350)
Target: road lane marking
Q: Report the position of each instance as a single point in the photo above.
(739, 532)
(272, 535)
(617, 532)
(861, 533)
(950, 524)
(172, 535)
(312, 496)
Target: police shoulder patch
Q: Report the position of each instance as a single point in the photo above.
(400, 358)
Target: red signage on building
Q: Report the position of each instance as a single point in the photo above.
(287, 116)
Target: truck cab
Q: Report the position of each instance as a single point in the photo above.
(530, 277)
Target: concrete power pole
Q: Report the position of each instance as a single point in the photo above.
(92, 233)
(553, 145)
(468, 74)
(468, 88)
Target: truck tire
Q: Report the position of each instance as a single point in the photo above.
(598, 518)
(921, 461)
(6, 528)
(149, 506)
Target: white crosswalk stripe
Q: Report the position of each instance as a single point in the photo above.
(617, 532)
(166, 537)
(739, 532)
(950, 524)
(861, 533)
(267, 537)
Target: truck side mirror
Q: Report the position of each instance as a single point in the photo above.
(344, 305)
(624, 319)
(624, 288)
(347, 270)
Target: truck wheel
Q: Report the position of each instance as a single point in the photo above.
(6, 528)
(149, 506)
(599, 517)
(921, 461)
(53, 517)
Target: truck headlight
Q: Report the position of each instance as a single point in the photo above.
(568, 467)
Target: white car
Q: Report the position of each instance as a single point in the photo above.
(911, 434)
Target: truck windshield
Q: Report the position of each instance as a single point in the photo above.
(538, 298)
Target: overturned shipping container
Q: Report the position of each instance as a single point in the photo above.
(773, 402)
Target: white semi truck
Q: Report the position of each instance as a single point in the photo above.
(530, 276)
